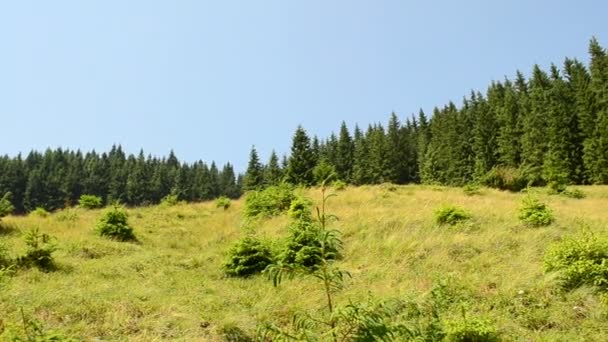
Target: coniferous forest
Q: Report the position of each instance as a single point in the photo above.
(551, 127)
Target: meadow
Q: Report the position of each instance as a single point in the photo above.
(170, 284)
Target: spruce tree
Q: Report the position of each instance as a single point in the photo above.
(301, 161)
(508, 140)
(596, 148)
(272, 172)
(344, 154)
(254, 176)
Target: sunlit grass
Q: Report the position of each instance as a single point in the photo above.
(170, 285)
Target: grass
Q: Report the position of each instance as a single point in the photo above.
(170, 283)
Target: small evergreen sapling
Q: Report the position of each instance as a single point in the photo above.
(534, 213)
(114, 225)
(90, 202)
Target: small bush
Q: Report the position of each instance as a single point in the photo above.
(451, 215)
(574, 193)
(299, 209)
(324, 172)
(504, 178)
(90, 202)
(5, 259)
(339, 185)
(304, 246)
(40, 248)
(269, 202)
(40, 212)
(582, 261)
(113, 224)
(232, 333)
(68, 215)
(471, 189)
(534, 213)
(247, 257)
(6, 207)
(471, 330)
(223, 202)
(170, 200)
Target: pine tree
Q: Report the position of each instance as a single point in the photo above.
(483, 114)
(301, 162)
(534, 142)
(254, 176)
(395, 152)
(272, 172)
(596, 147)
(344, 154)
(509, 128)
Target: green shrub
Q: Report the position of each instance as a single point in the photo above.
(504, 178)
(90, 202)
(40, 248)
(534, 213)
(5, 259)
(451, 215)
(40, 212)
(68, 214)
(471, 330)
(6, 207)
(247, 257)
(573, 193)
(471, 189)
(582, 261)
(223, 202)
(556, 187)
(324, 172)
(304, 246)
(232, 333)
(269, 202)
(339, 185)
(299, 209)
(170, 200)
(113, 224)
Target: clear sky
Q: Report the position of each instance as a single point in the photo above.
(209, 79)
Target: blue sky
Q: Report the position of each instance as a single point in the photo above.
(209, 79)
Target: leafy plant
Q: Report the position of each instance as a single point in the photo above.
(339, 185)
(6, 207)
(579, 261)
(269, 202)
(223, 202)
(114, 224)
(471, 189)
(31, 330)
(170, 200)
(299, 209)
(451, 215)
(247, 257)
(40, 212)
(68, 215)
(574, 193)
(303, 247)
(471, 330)
(504, 178)
(534, 213)
(40, 248)
(90, 202)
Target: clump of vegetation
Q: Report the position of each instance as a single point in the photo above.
(451, 215)
(339, 185)
(299, 209)
(40, 212)
(534, 213)
(68, 215)
(574, 193)
(579, 261)
(505, 178)
(114, 224)
(232, 333)
(40, 248)
(471, 189)
(248, 256)
(30, 330)
(223, 202)
(304, 246)
(170, 200)
(471, 329)
(6, 206)
(324, 172)
(90, 202)
(269, 202)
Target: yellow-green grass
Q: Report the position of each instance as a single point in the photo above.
(170, 284)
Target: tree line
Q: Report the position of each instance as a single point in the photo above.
(57, 178)
(549, 128)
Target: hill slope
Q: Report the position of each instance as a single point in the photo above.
(170, 285)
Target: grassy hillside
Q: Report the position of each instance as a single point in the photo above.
(170, 284)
